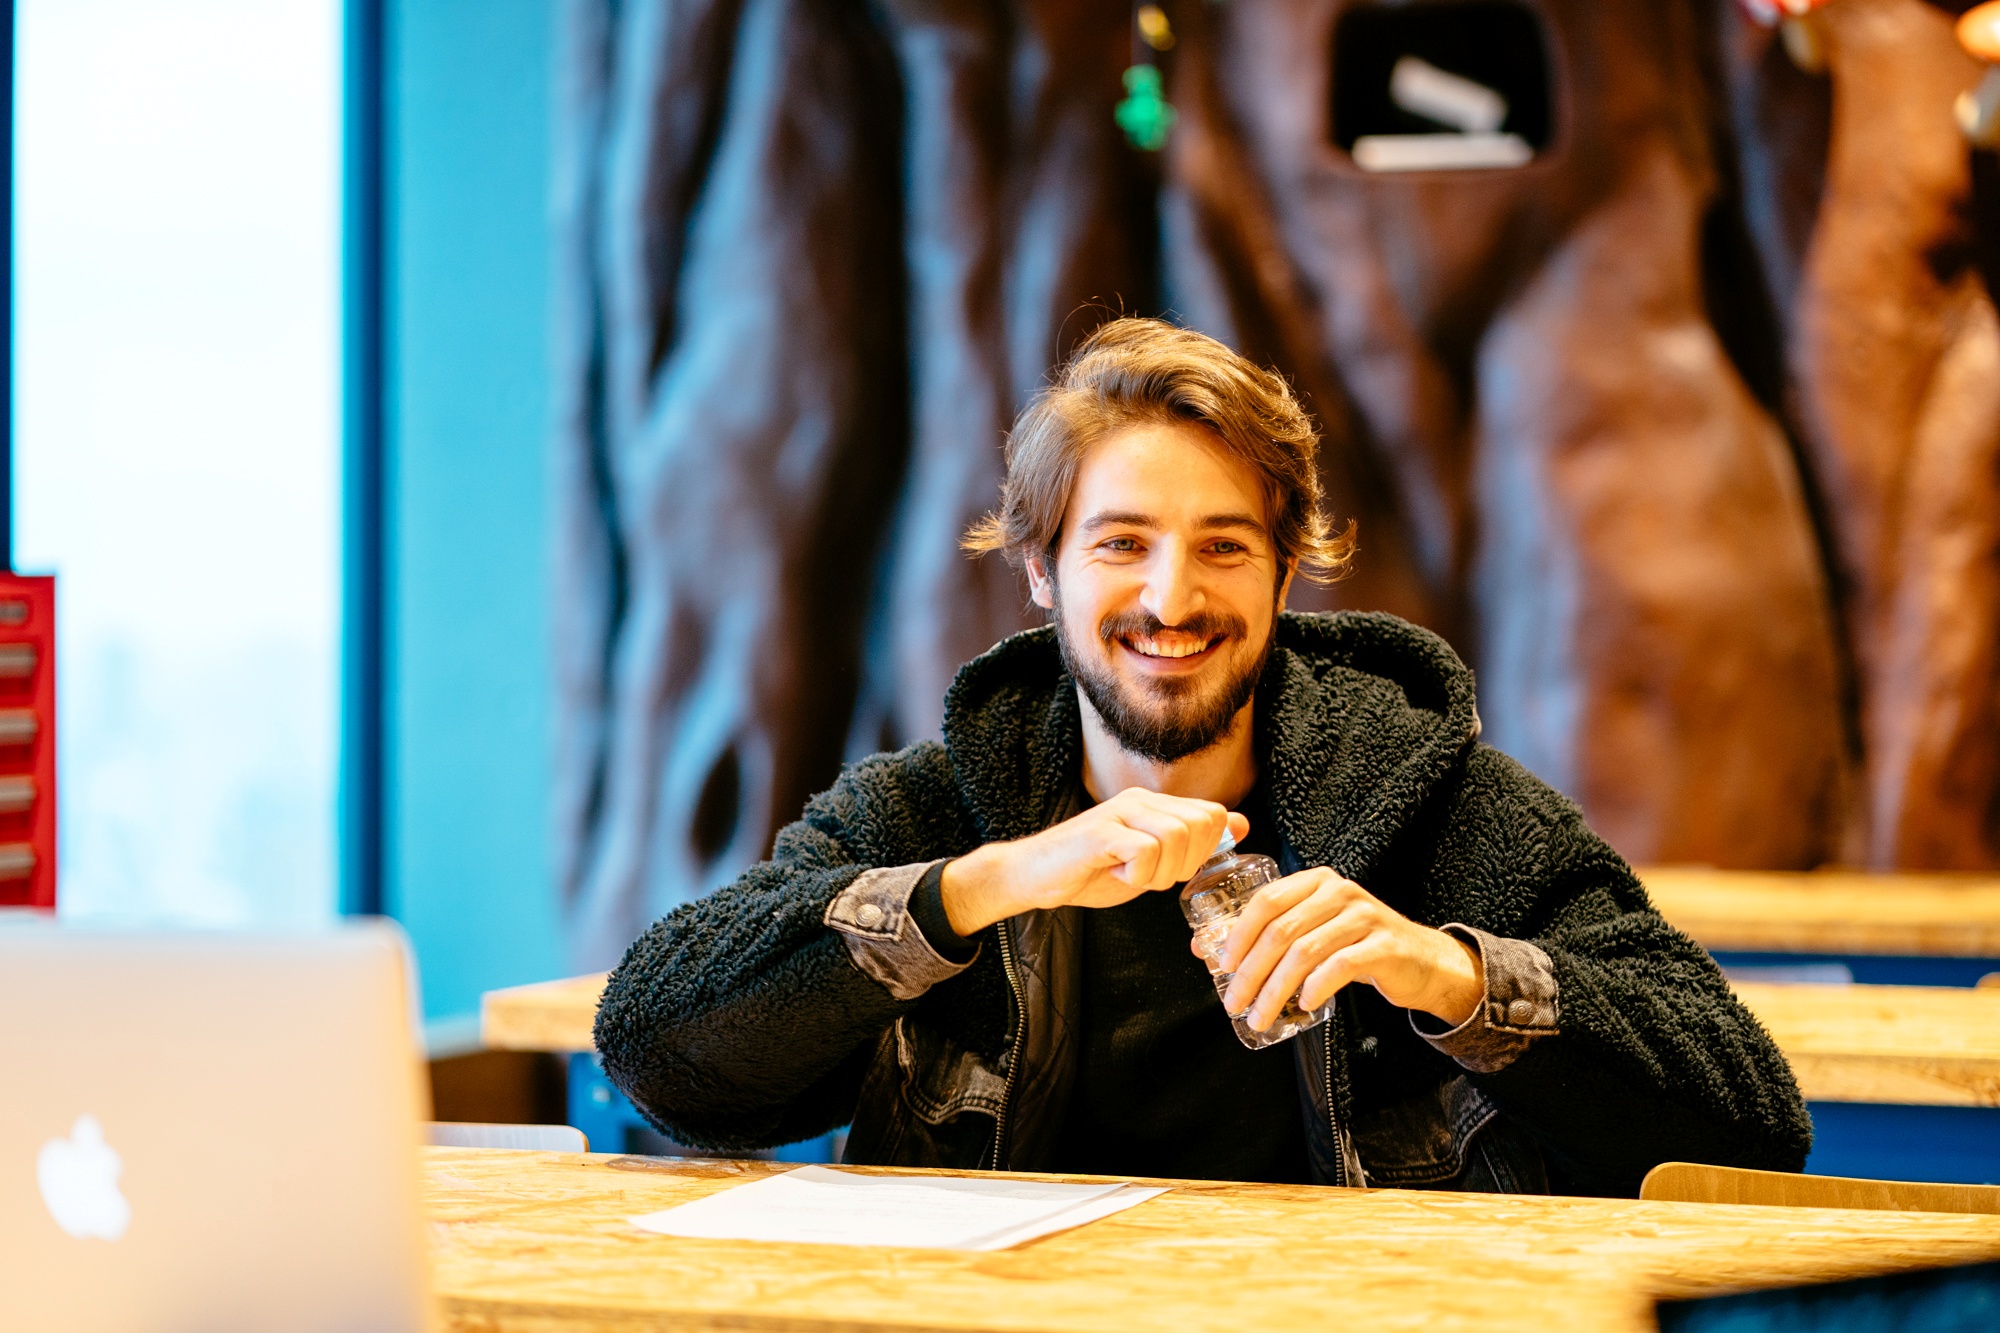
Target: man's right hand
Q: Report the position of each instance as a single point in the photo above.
(1137, 842)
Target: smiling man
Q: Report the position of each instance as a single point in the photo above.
(973, 952)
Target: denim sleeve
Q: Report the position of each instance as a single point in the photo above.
(1521, 1005)
(873, 918)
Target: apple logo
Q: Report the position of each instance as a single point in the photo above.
(79, 1178)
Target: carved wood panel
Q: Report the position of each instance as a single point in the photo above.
(1683, 429)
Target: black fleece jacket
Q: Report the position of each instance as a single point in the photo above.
(742, 1021)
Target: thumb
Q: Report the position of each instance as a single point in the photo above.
(1239, 826)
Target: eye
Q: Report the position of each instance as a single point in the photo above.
(1228, 548)
(1121, 544)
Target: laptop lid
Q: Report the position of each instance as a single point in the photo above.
(209, 1133)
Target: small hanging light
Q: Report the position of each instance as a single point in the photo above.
(1144, 114)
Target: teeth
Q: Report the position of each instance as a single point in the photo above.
(1168, 647)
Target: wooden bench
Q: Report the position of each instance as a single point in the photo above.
(1831, 912)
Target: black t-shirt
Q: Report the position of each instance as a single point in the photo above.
(1163, 1086)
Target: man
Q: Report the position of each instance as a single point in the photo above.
(973, 951)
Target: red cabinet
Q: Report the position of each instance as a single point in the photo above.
(27, 740)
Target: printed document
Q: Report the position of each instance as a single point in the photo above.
(820, 1206)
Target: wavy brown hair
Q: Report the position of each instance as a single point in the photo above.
(1134, 372)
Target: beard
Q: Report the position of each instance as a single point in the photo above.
(1169, 719)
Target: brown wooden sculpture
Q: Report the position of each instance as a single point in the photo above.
(1581, 465)
(1650, 348)
(1026, 225)
(1894, 381)
(743, 427)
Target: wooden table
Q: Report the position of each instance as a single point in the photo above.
(547, 1016)
(539, 1242)
(1826, 911)
(1918, 1045)
(1913, 1045)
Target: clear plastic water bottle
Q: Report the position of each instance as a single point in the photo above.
(1211, 902)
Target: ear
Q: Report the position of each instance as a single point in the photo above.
(1041, 581)
(1285, 588)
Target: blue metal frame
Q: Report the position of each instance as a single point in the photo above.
(1936, 1300)
(612, 1124)
(1873, 969)
(1958, 1145)
(363, 737)
(1881, 1141)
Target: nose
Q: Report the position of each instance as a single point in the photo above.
(1173, 591)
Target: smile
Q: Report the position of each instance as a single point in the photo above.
(1168, 647)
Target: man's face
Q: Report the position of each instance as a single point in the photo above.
(1165, 587)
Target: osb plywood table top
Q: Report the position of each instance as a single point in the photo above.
(1907, 1044)
(547, 1016)
(539, 1242)
(1826, 911)
(1927, 1045)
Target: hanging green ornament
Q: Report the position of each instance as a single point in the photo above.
(1144, 115)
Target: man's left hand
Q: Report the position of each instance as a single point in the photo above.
(1311, 933)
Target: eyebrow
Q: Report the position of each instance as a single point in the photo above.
(1127, 518)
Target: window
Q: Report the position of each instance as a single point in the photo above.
(176, 454)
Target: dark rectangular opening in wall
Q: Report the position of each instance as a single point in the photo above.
(1498, 45)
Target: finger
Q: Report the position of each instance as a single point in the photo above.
(1133, 854)
(1303, 959)
(1341, 968)
(1316, 939)
(1203, 822)
(1204, 839)
(1239, 942)
(1206, 820)
(1170, 832)
(1272, 901)
(1255, 965)
(1331, 907)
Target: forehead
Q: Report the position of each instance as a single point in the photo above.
(1174, 473)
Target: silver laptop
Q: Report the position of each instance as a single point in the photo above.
(208, 1133)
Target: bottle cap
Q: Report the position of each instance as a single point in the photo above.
(1226, 846)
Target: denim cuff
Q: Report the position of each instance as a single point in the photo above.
(1520, 1005)
(872, 917)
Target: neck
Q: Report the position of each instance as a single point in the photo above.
(1224, 772)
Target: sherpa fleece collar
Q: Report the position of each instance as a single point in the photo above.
(1359, 716)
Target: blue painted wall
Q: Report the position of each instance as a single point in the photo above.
(468, 862)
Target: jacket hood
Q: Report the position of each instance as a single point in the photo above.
(1359, 717)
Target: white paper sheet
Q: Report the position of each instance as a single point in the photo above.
(819, 1206)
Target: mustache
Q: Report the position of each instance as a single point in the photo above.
(1202, 624)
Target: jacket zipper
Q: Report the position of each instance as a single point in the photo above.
(1332, 1112)
(1006, 935)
